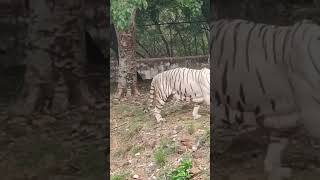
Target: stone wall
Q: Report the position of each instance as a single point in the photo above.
(148, 68)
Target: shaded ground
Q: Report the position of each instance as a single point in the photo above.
(242, 159)
(141, 147)
(57, 147)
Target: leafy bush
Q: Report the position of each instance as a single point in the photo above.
(182, 171)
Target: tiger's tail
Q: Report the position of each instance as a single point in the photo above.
(151, 98)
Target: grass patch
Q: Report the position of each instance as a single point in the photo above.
(120, 176)
(160, 157)
(134, 116)
(136, 149)
(120, 152)
(133, 129)
(205, 139)
(191, 128)
(166, 147)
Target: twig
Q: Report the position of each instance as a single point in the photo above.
(119, 125)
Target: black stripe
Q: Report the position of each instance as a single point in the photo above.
(240, 119)
(257, 110)
(294, 32)
(264, 45)
(262, 27)
(226, 109)
(242, 96)
(284, 45)
(247, 46)
(225, 79)
(274, 45)
(222, 44)
(315, 99)
(240, 107)
(311, 58)
(260, 81)
(273, 105)
(228, 100)
(217, 98)
(304, 32)
(216, 35)
(235, 35)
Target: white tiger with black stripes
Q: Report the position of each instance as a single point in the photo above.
(273, 74)
(183, 84)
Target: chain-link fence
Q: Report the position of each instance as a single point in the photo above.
(172, 39)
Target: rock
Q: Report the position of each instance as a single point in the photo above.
(194, 148)
(137, 154)
(135, 176)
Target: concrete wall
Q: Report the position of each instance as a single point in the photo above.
(148, 68)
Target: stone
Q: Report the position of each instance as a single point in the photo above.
(135, 176)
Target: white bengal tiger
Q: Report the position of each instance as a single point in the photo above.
(271, 73)
(182, 83)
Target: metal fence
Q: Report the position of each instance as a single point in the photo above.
(172, 39)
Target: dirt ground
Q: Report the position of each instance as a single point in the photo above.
(136, 138)
(42, 146)
(243, 158)
(142, 148)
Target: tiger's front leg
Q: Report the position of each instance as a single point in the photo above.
(157, 111)
(195, 112)
(272, 163)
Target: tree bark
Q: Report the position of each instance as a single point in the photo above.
(54, 77)
(127, 74)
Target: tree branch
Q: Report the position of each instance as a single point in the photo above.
(145, 49)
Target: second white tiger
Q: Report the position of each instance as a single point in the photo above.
(182, 83)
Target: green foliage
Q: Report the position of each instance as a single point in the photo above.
(121, 11)
(182, 171)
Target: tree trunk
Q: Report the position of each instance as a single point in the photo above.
(127, 80)
(55, 59)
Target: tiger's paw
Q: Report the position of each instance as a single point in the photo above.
(197, 116)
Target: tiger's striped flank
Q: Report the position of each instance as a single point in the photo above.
(183, 84)
(267, 76)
